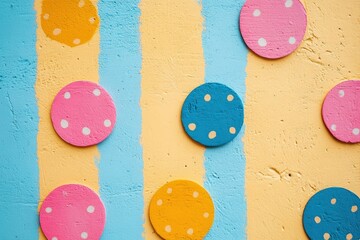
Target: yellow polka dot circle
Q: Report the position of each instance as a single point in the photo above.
(72, 22)
(182, 210)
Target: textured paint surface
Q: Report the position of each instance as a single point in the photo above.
(172, 66)
(59, 65)
(341, 111)
(181, 209)
(332, 213)
(225, 58)
(19, 119)
(121, 166)
(72, 211)
(290, 154)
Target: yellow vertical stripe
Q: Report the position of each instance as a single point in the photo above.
(173, 65)
(59, 65)
(290, 154)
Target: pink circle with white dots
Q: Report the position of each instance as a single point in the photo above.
(71, 212)
(273, 28)
(341, 111)
(83, 113)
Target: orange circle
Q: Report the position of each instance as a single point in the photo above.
(181, 210)
(72, 22)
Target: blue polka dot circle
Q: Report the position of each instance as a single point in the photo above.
(212, 114)
(331, 214)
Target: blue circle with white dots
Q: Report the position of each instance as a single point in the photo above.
(212, 114)
(333, 213)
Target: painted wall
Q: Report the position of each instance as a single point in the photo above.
(149, 54)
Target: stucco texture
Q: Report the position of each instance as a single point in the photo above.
(149, 55)
(290, 155)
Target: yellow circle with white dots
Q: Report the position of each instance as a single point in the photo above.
(181, 210)
(72, 22)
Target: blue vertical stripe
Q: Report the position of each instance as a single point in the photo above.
(19, 181)
(225, 62)
(121, 165)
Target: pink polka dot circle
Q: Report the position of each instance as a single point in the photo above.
(273, 28)
(341, 111)
(72, 212)
(83, 113)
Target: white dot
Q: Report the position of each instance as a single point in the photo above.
(354, 208)
(326, 236)
(349, 236)
(256, 13)
(84, 235)
(86, 131)
(81, 3)
(168, 228)
(195, 194)
(48, 210)
(56, 31)
(289, 3)
(206, 215)
(64, 123)
(333, 201)
(90, 209)
(292, 40)
(92, 20)
(212, 135)
(169, 190)
(207, 97)
(190, 231)
(67, 95)
(54, 238)
(232, 130)
(159, 202)
(341, 93)
(356, 131)
(333, 127)
(96, 92)
(46, 16)
(192, 126)
(230, 97)
(317, 219)
(262, 42)
(76, 41)
(107, 123)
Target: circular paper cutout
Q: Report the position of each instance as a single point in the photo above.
(341, 111)
(333, 213)
(83, 113)
(181, 210)
(212, 114)
(273, 29)
(72, 22)
(72, 212)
